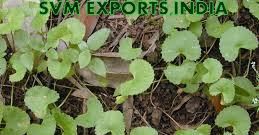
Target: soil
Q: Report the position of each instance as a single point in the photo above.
(164, 104)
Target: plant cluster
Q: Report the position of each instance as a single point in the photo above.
(40, 50)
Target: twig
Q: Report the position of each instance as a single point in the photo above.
(77, 84)
(117, 39)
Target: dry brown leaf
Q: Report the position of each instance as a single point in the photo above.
(88, 20)
(117, 71)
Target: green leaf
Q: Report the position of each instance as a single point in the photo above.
(201, 130)
(52, 54)
(234, 39)
(58, 70)
(70, 30)
(143, 74)
(40, 20)
(84, 58)
(18, 67)
(214, 68)
(1, 110)
(204, 129)
(42, 66)
(97, 66)
(143, 131)
(17, 121)
(76, 28)
(253, 7)
(183, 42)
(191, 87)
(194, 17)
(27, 60)
(47, 127)
(21, 39)
(3, 65)
(82, 45)
(215, 28)
(94, 112)
(236, 117)
(196, 28)
(257, 133)
(3, 46)
(37, 44)
(111, 121)
(175, 21)
(186, 132)
(224, 87)
(121, 99)
(65, 122)
(245, 90)
(97, 40)
(231, 5)
(227, 133)
(38, 98)
(14, 21)
(70, 55)
(180, 74)
(126, 51)
(57, 33)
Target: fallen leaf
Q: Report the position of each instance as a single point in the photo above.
(88, 20)
(117, 71)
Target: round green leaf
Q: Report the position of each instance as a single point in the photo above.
(22, 40)
(39, 20)
(65, 122)
(186, 132)
(231, 5)
(14, 21)
(3, 65)
(1, 110)
(94, 112)
(215, 28)
(175, 21)
(42, 66)
(17, 121)
(180, 74)
(111, 121)
(253, 7)
(27, 59)
(3, 46)
(245, 90)
(96, 40)
(191, 87)
(126, 51)
(38, 98)
(143, 74)
(196, 28)
(52, 54)
(76, 28)
(236, 117)
(143, 131)
(224, 87)
(48, 127)
(234, 39)
(58, 70)
(183, 42)
(214, 68)
(204, 129)
(84, 58)
(70, 55)
(18, 67)
(97, 66)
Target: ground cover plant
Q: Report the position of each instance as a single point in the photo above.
(126, 76)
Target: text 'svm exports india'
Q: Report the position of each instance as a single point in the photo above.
(169, 7)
